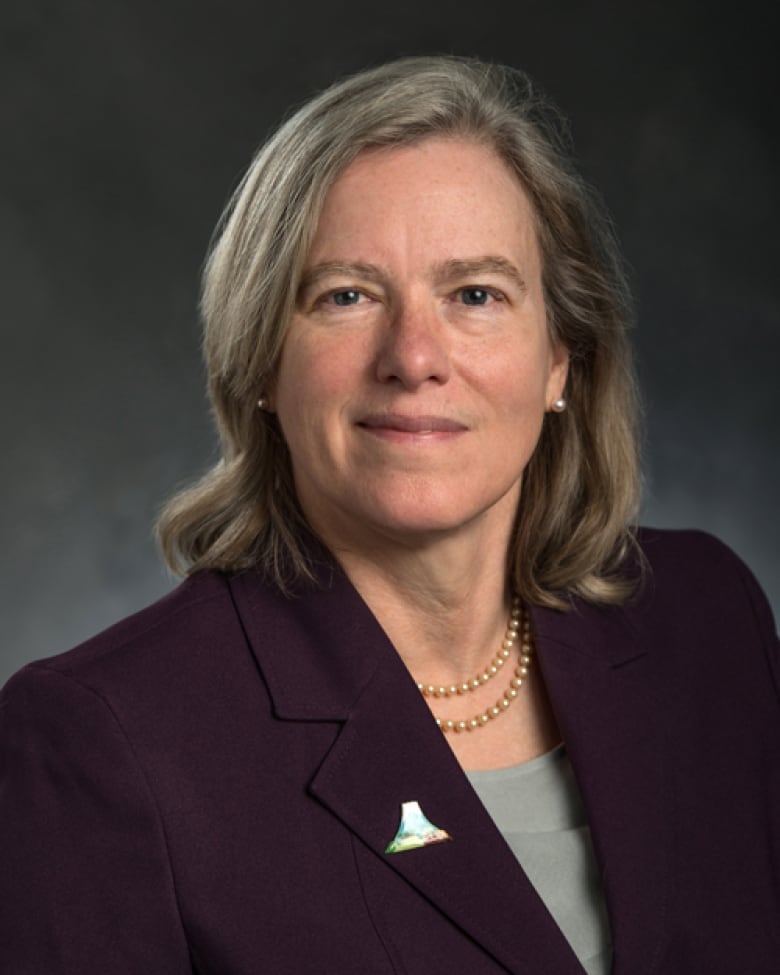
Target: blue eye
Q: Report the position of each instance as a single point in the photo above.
(474, 296)
(344, 298)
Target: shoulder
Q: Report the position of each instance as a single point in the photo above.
(145, 708)
(684, 549)
(696, 567)
(168, 637)
(695, 590)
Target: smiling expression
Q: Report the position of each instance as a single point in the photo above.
(417, 366)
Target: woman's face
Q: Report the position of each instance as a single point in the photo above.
(417, 367)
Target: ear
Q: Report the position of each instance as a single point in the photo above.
(266, 395)
(559, 371)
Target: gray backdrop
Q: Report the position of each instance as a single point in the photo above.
(126, 123)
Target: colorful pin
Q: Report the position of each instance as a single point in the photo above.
(416, 830)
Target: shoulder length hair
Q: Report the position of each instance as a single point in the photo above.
(580, 488)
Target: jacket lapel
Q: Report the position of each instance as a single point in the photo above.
(325, 657)
(389, 752)
(593, 661)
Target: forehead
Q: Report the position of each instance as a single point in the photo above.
(441, 193)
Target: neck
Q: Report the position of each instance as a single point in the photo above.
(444, 603)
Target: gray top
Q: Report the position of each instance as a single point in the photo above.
(537, 807)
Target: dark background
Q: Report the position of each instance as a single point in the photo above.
(127, 122)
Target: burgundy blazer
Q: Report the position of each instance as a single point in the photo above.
(210, 785)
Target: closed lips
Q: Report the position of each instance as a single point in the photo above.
(411, 424)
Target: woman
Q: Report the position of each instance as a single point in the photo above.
(425, 702)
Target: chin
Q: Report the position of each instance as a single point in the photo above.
(425, 521)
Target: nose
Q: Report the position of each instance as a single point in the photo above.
(413, 349)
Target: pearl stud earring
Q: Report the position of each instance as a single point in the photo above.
(559, 405)
(262, 403)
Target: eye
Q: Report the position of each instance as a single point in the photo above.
(340, 299)
(347, 297)
(475, 296)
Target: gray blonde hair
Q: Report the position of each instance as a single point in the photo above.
(580, 488)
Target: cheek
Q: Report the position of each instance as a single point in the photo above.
(520, 403)
(300, 375)
(325, 372)
(518, 381)
(289, 398)
(311, 390)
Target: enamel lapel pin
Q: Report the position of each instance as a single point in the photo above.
(416, 830)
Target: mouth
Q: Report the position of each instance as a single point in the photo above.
(400, 426)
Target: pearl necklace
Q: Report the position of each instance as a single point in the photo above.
(496, 664)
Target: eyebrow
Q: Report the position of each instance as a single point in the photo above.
(474, 267)
(349, 269)
(446, 271)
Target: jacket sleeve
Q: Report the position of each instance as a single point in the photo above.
(85, 880)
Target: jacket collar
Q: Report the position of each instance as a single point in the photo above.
(325, 657)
